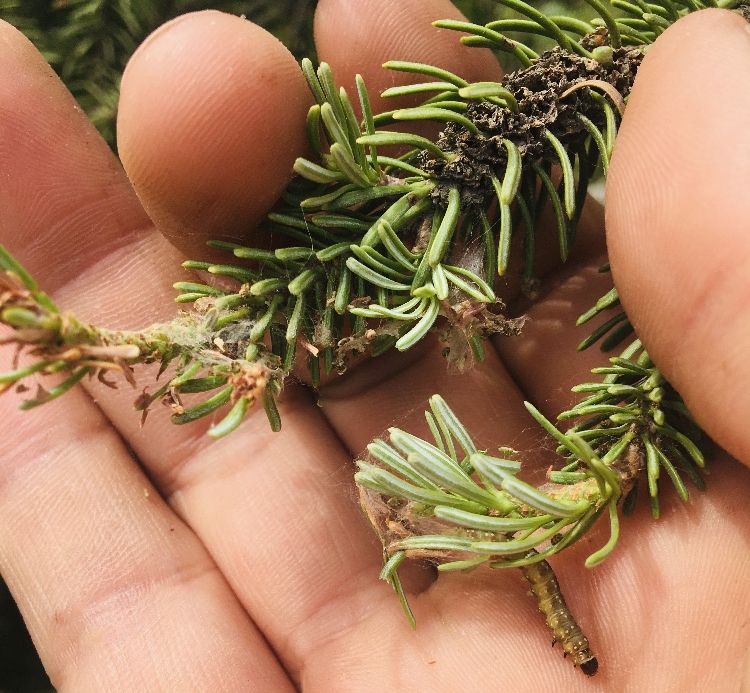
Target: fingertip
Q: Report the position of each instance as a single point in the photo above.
(359, 37)
(678, 215)
(211, 118)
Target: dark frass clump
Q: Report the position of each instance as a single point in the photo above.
(376, 251)
(552, 97)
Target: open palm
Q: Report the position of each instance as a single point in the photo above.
(156, 559)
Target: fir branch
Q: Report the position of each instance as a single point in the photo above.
(206, 346)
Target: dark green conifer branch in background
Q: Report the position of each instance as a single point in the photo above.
(374, 250)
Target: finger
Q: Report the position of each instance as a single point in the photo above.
(91, 553)
(170, 453)
(678, 216)
(128, 284)
(475, 600)
(404, 31)
(79, 217)
(70, 215)
(66, 208)
(68, 211)
(211, 118)
(393, 395)
(301, 534)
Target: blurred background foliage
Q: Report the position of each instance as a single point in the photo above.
(88, 43)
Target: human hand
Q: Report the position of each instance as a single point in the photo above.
(245, 563)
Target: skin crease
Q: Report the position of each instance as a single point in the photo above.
(245, 564)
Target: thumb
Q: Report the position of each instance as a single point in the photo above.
(678, 217)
